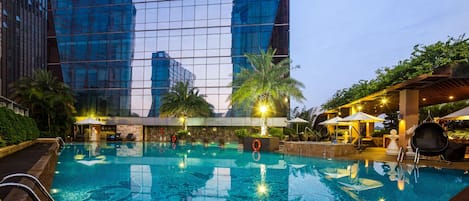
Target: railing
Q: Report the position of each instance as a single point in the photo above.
(10, 104)
(24, 187)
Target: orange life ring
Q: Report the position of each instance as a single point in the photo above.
(256, 147)
(256, 156)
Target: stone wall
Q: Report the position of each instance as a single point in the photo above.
(125, 130)
(319, 149)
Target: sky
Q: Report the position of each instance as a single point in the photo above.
(337, 43)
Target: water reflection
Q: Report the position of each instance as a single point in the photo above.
(157, 171)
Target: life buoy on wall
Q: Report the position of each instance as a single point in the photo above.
(256, 145)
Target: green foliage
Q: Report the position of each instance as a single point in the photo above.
(15, 128)
(241, 132)
(423, 60)
(276, 132)
(442, 110)
(182, 133)
(289, 131)
(391, 121)
(265, 82)
(2, 142)
(49, 100)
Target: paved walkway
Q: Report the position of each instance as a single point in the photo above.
(21, 162)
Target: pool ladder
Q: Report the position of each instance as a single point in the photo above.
(25, 188)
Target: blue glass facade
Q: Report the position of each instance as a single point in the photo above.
(95, 44)
(106, 48)
(166, 72)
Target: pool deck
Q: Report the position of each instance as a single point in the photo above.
(28, 159)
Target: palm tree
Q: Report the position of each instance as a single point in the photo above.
(184, 102)
(265, 85)
(49, 100)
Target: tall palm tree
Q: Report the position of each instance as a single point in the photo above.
(49, 100)
(184, 102)
(265, 84)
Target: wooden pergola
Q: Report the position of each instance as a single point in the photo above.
(446, 84)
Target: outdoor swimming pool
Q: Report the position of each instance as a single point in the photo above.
(161, 171)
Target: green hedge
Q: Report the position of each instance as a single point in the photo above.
(15, 128)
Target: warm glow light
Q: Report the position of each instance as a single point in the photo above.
(359, 108)
(381, 199)
(262, 189)
(451, 97)
(181, 119)
(286, 100)
(366, 163)
(263, 109)
(424, 99)
(384, 100)
(54, 190)
(400, 184)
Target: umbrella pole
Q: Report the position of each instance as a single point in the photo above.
(335, 130)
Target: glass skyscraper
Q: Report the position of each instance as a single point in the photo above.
(107, 50)
(23, 40)
(166, 72)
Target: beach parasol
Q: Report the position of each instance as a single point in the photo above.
(361, 117)
(297, 121)
(335, 121)
(462, 114)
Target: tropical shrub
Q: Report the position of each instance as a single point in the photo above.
(276, 132)
(15, 128)
(241, 133)
(182, 133)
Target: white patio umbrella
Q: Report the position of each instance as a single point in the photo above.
(361, 117)
(337, 121)
(88, 121)
(297, 120)
(462, 114)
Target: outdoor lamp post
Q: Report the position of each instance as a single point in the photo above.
(263, 109)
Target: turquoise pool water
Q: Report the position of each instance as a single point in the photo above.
(160, 171)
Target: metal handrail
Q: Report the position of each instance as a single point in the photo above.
(23, 187)
(36, 181)
(61, 141)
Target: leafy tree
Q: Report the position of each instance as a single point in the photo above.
(442, 110)
(49, 100)
(423, 60)
(391, 121)
(184, 102)
(265, 82)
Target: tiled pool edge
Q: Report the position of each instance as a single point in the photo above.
(43, 169)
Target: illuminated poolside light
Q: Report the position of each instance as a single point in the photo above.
(381, 199)
(54, 191)
(57, 172)
(262, 188)
(182, 164)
